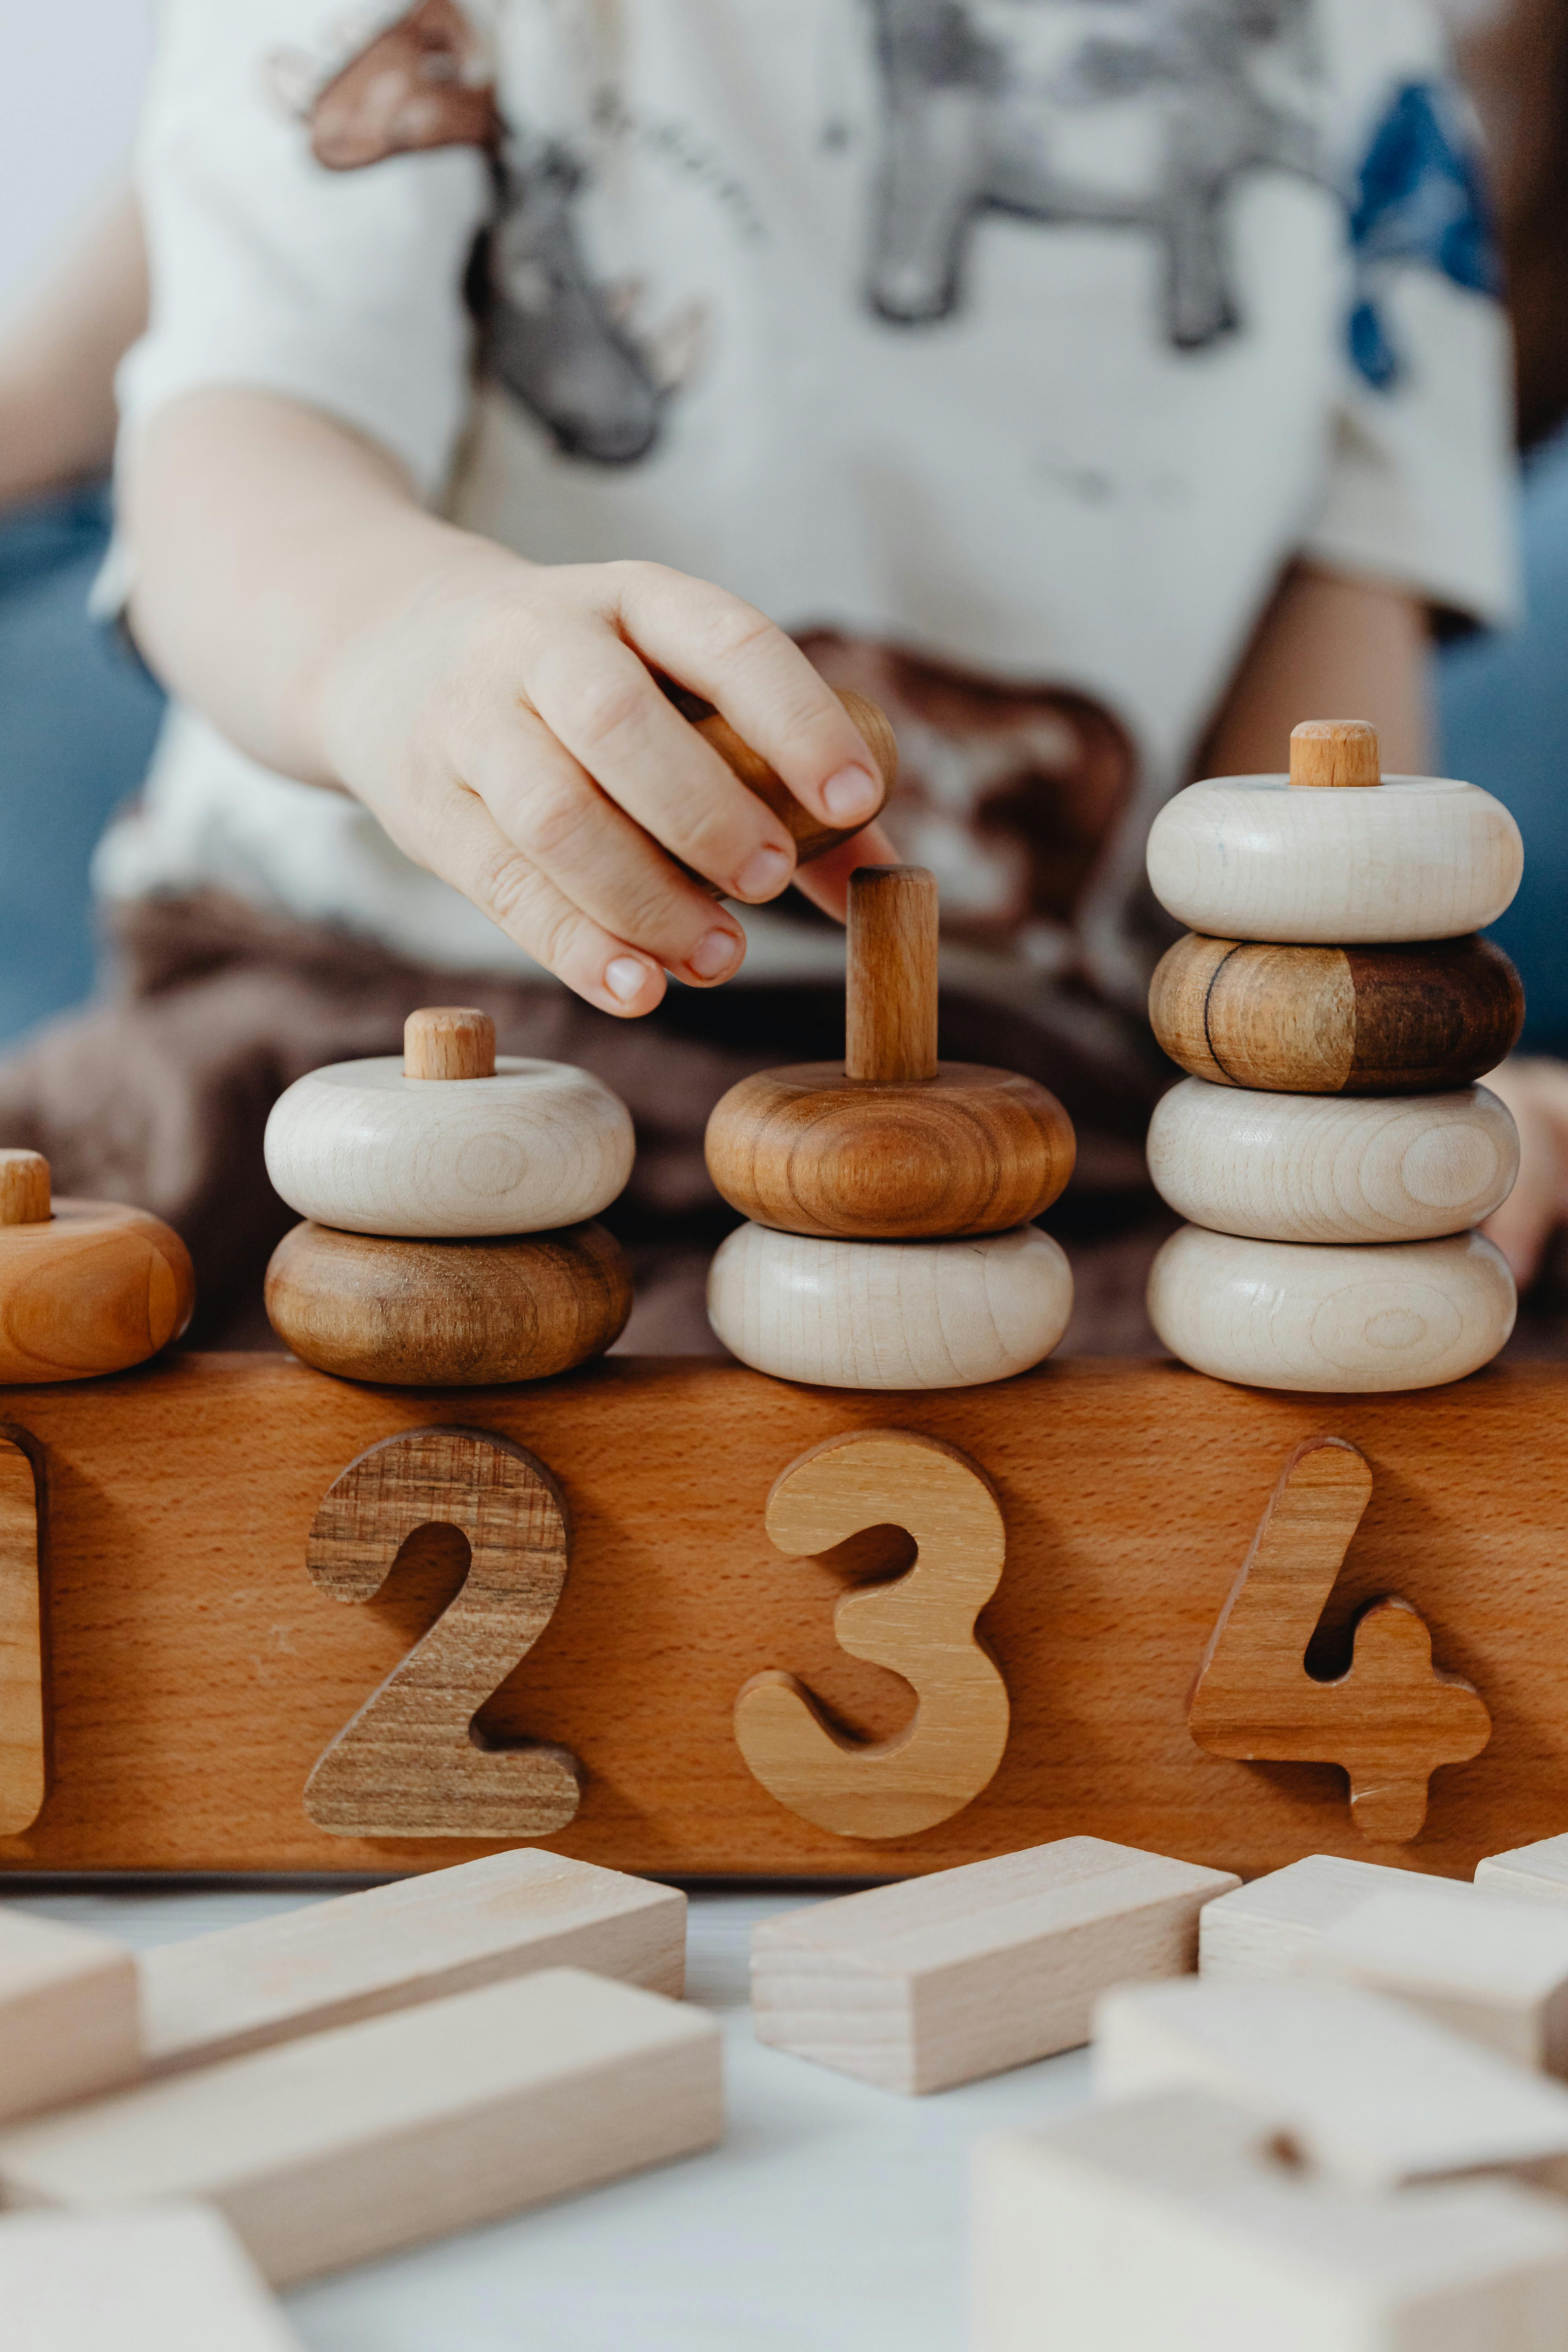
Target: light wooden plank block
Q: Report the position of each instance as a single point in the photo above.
(1487, 1968)
(1539, 1873)
(1167, 2222)
(1266, 1927)
(173, 2280)
(919, 1986)
(325, 2151)
(420, 1939)
(1372, 2090)
(68, 2014)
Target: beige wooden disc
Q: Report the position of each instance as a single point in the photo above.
(889, 1315)
(1249, 858)
(1335, 1321)
(1332, 1167)
(360, 1145)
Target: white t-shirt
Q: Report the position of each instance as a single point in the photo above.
(1007, 350)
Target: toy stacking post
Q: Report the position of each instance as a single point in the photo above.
(1331, 1150)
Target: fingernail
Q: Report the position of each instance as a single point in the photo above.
(764, 873)
(626, 979)
(852, 793)
(714, 953)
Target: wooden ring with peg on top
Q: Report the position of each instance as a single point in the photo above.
(893, 1145)
(86, 1286)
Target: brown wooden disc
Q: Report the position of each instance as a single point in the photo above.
(808, 1150)
(1327, 1020)
(93, 1287)
(448, 1314)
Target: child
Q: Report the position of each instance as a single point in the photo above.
(1101, 389)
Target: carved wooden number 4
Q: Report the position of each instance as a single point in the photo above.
(1391, 1720)
(409, 1764)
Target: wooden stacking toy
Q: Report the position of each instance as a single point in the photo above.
(1331, 1150)
(86, 1286)
(450, 1201)
(890, 1244)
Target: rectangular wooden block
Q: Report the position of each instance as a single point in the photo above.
(916, 1988)
(1492, 1969)
(68, 2014)
(1539, 1872)
(1267, 1926)
(1166, 2222)
(171, 2280)
(1373, 2092)
(325, 2151)
(420, 1939)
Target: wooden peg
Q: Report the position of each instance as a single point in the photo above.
(890, 1031)
(24, 1188)
(1391, 1720)
(811, 838)
(1334, 752)
(448, 1040)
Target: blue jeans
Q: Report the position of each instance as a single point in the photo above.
(1502, 720)
(78, 718)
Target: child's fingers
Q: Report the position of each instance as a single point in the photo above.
(826, 881)
(725, 650)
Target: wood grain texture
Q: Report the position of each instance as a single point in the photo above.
(197, 1674)
(1246, 857)
(1339, 1321)
(1331, 1167)
(327, 1964)
(96, 1288)
(349, 2143)
(919, 1627)
(891, 975)
(971, 1150)
(447, 1042)
(68, 2014)
(173, 2280)
(361, 1147)
(1390, 1719)
(1267, 1927)
(811, 837)
(452, 1314)
(24, 1188)
(1335, 751)
(1331, 1021)
(1537, 1873)
(1173, 2220)
(23, 1718)
(919, 1987)
(889, 1315)
(410, 1760)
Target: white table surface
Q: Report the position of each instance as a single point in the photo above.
(832, 2215)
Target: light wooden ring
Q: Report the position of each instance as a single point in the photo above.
(93, 1287)
(360, 1145)
(1332, 1321)
(1331, 1167)
(1248, 857)
(889, 1315)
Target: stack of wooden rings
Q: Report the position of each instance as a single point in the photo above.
(86, 1286)
(1331, 1148)
(890, 1244)
(448, 1199)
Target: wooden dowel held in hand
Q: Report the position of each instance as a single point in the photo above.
(448, 1040)
(891, 1010)
(1334, 752)
(24, 1189)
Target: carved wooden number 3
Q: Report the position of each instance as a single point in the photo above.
(409, 1764)
(921, 1626)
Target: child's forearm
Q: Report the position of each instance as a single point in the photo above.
(59, 355)
(1329, 646)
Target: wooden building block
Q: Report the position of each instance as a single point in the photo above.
(1172, 2221)
(327, 1964)
(1373, 2091)
(1331, 1167)
(325, 2151)
(24, 1722)
(918, 1988)
(1539, 1873)
(1474, 1961)
(1267, 1926)
(68, 2014)
(174, 2279)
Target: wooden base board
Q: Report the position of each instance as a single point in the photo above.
(196, 1674)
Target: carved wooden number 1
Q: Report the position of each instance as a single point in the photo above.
(408, 1765)
(21, 1646)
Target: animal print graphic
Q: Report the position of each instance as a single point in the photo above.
(1419, 198)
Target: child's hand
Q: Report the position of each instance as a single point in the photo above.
(504, 728)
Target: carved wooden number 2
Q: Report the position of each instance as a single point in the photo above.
(408, 1765)
(921, 1626)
